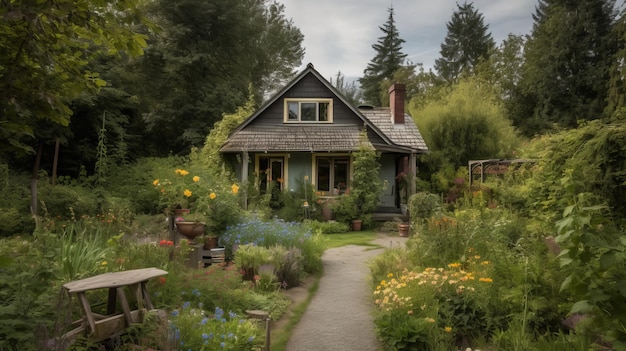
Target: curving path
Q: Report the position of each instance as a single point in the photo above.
(339, 316)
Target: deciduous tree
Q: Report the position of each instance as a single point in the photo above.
(46, 49)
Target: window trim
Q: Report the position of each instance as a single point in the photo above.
(300, 101)
(333, 155)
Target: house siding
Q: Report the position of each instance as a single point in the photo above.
(308, 87)
(300, 166)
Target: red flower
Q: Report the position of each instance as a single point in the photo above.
(162, 280)
(166, 243)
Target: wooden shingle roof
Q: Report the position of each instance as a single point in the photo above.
(405, 134)
(294, 138)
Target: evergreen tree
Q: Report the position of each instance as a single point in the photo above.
(566, 64)
(467, 42)
(388, 59)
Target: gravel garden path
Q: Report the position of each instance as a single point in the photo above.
(340, 314)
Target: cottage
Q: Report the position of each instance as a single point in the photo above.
(308, 130)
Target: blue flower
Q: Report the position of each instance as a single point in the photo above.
(205, 336)
(186, 304)
(222, 345)
(250, 339)
(175, 313)
(195, 292)
(204, 320)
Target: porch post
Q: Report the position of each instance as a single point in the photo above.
(413, 172)
(244, 178)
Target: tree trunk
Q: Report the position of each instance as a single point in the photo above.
(33, 182)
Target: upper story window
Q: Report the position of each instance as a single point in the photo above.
(309, 110)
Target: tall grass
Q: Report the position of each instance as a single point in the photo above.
(83, 251)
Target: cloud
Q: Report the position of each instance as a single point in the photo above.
(339, 34)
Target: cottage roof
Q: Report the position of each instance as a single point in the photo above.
(405, 134)
(253, 137)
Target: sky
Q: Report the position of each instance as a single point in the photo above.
(339, 34)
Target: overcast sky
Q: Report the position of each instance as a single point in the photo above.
(338, 34)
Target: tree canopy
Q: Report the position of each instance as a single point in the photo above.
(566, 63)
(205, 59)
(389, 58)
(44, 63)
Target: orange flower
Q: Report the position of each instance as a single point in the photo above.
(162, 280)
(155, 182)
(235, 188)
(196, 179)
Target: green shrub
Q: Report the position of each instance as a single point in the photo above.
(65, 200)
(327, 227)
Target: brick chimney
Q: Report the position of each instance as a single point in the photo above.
(396, 103)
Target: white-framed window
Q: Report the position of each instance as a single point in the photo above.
(308, 110)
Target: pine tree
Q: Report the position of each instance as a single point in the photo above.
(388, 59)
(467, 42)
(566, 65)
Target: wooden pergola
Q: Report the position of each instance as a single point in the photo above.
(480, 168)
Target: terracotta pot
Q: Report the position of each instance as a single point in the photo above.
(190, 230)
(210, 243)
(181, 211)
(403, 229)
(356, 225)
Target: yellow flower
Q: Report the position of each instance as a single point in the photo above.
(486, 280)
(187, 193)
(196, 179)
(447, 329)
(454, 265)
(104, 263)
(155, 182)
(212, 196)
(235, 188)
(390, 275)
(485, 262)
(182, 172)
(429, 320)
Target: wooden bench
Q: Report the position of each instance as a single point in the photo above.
(100, 327)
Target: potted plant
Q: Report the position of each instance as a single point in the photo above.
(191, 226)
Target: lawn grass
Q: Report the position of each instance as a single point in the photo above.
(362, 238)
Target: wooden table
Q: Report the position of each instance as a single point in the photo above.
(102, 327)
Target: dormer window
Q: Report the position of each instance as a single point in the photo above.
(308, 110)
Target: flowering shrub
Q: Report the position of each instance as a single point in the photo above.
(213, 200)
(450, 303)
(179, 190)
(194, 329)
(277, 233)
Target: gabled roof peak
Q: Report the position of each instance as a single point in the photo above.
(310, 65)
